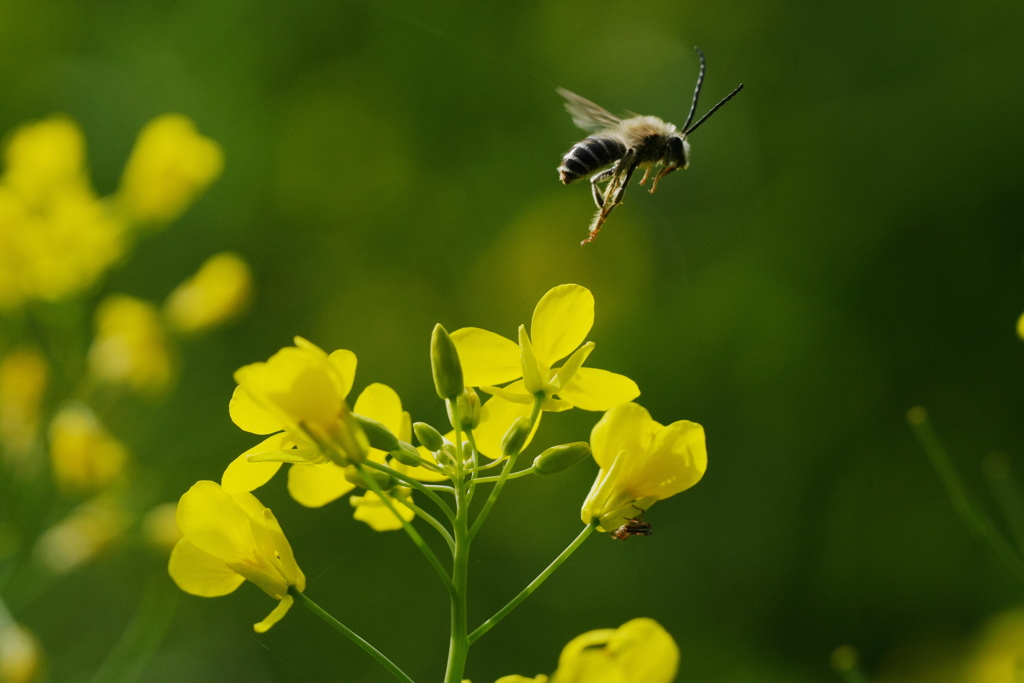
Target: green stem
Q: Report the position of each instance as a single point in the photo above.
(410, 531)
(525, 593)
(514, 475)
(429, 519)
(970, 512)
(458, 644)
(350, 634)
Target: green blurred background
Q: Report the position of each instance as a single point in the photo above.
(846, 244)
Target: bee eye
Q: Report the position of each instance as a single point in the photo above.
(676, 150)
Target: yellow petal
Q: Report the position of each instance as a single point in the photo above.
(626, 427)
(200, 573)
(486, 357)
(283, 605)
(370, 509)
(213, 521)
(677, 460)
(645, 652)
(344, 361)
(593, 389)
(496, 416)
(242, 475)
(317, 485)
(248, 415)
(561, 321)
(380, 402)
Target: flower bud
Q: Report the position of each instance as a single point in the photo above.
(377, 434)
(469, 408)
(406, 454)
(356, 476)
(445, 365)
(560, 458)
(429, 437)
(515, 437)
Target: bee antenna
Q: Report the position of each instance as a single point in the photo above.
(696, 91)
(711, 111)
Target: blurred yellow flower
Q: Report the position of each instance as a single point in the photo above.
(999, 651)
(229, 538)
(56, 236)
(1020, 326)
(561, 321)
(641, 462)
(168, 168)
(160, 527)
(84, 456)
(639, 651)
(217, 292)
(21, 656)
(301, 390)
(130, 347)
(80, 536)
(23, 378)
(44, 159)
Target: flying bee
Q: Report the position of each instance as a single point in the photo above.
(616, 147)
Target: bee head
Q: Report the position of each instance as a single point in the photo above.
(678, 154)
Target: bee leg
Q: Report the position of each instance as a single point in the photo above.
(647, 172)
(613, 194)
(598, 178)
(664, 172)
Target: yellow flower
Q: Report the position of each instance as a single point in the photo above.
(639, 651)
(998, 651)
(315, 482)
(45, 158)
(130, 347)
(301, 390)
(23, 377)
(561, 321)
(218, 291)
(160, 527)
(83, 534)
(229, 538)
(84, 455)
(641, 462)
(56, 236)
(170, 165)
(1020, 326)
(21, 656)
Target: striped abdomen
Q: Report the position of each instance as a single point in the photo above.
(589, 155)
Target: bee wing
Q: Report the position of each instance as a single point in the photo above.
(586, 114)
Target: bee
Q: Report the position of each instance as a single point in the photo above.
(616, 147)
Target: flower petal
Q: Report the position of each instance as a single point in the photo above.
(677, 460)
(344, 361)
(370, 509)
(242, 475)
(593, 389)
(200, 573)
(213, 521)
(250, 416)
(381, 403)
(561, 321)
(496, 416)
(317, 485)
(283, 605)
(625, 427)
(486, 357)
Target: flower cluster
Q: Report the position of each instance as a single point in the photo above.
(298, 400)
